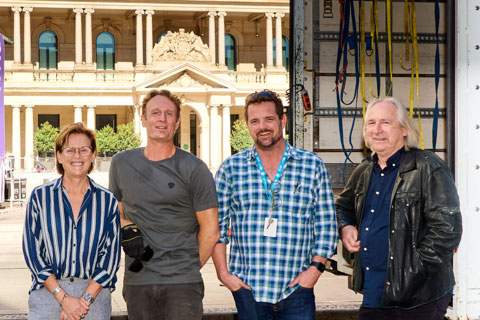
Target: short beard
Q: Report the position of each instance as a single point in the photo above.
(264, 147)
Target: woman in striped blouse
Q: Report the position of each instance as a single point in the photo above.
(71, 239)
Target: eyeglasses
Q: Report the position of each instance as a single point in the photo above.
(264, 95)
(276, 201)
(82, 151)
(137, 264)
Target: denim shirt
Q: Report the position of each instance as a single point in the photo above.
(375, 228)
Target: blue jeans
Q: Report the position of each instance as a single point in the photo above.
(300, 305)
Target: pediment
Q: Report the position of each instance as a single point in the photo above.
(187, 77)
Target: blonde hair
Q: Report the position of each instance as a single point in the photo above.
(412, 138)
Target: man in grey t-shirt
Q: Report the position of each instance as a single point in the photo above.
(169, 217)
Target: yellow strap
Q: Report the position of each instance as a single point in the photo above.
(406, 34)
(389, 31)
(362, 54)
(415, 45)
(373, 32)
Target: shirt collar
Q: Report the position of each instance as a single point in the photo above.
(59, 183)
(394, 160)
(291, 153)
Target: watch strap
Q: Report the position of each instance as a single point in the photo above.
(320, 266)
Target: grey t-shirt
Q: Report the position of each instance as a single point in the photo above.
(162, 198)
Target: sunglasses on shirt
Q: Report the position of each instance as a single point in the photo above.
(137, 264)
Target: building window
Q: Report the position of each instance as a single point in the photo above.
(52, 119)
(102, 120)
(230, 52)
(105, 51)
(285, 52)
(161, 36)
(48, 50)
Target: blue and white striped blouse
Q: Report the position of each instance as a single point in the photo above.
(53, 243)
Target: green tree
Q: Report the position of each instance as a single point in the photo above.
(106, 140)
(44, 139)
(240, 138)
(126, 137)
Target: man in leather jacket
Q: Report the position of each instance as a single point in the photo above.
(399, 214)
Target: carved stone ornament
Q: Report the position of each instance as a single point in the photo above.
(176, 46)
(185, 81)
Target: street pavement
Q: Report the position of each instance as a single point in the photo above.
(331, 292)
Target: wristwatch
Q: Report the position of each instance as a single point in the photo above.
(320, 266)
(88, 297)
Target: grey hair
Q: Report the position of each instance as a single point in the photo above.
(412, 138)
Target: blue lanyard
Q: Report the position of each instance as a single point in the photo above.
(263, 174)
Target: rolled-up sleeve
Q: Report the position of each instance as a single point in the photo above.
(33, 244)
(223, 195)
(326, 234)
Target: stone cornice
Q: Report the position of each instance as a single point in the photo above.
(246, 6)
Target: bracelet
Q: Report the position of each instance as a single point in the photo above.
(61, 301)
(57, 290)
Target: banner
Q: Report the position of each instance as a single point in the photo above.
(2, 120)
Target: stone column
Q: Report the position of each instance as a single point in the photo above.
(77, 115)
(16, 135)
(211, 34)
(29, 138)
(214, 134)
(27, 40)
(221, 38)
(278, 39)
(139, 14)
(91, 117)
(226, 149)
(88, 35)
(17, 45)
(149, 37)
(269, 17)
(137, 110)
(204, 145)
(78, 35)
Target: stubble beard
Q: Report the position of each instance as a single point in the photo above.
(269, 145)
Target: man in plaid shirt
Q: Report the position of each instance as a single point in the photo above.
(278, 202)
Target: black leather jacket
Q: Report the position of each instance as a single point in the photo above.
(425, 228)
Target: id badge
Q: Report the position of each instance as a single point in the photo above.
(270, 227)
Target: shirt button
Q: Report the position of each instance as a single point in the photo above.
(365, 249)
(366, 229)
(393, 231)
(388, 283)
(377, 192)
(393, 164)
(391, 257)
(73, 261)
(74, 244)
(372, 210)
(367, 268)
(382, 174)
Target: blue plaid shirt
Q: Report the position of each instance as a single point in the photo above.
(306, 220)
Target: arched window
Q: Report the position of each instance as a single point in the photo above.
(285, 52)
(230, 52)
(48, 50)
(161, 36)
(105, 51)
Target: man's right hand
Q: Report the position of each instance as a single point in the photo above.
(233, 283)
(350, 239)
(132, 241)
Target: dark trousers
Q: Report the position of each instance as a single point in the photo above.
(300, 305)
(431, 311)
(164, 301)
